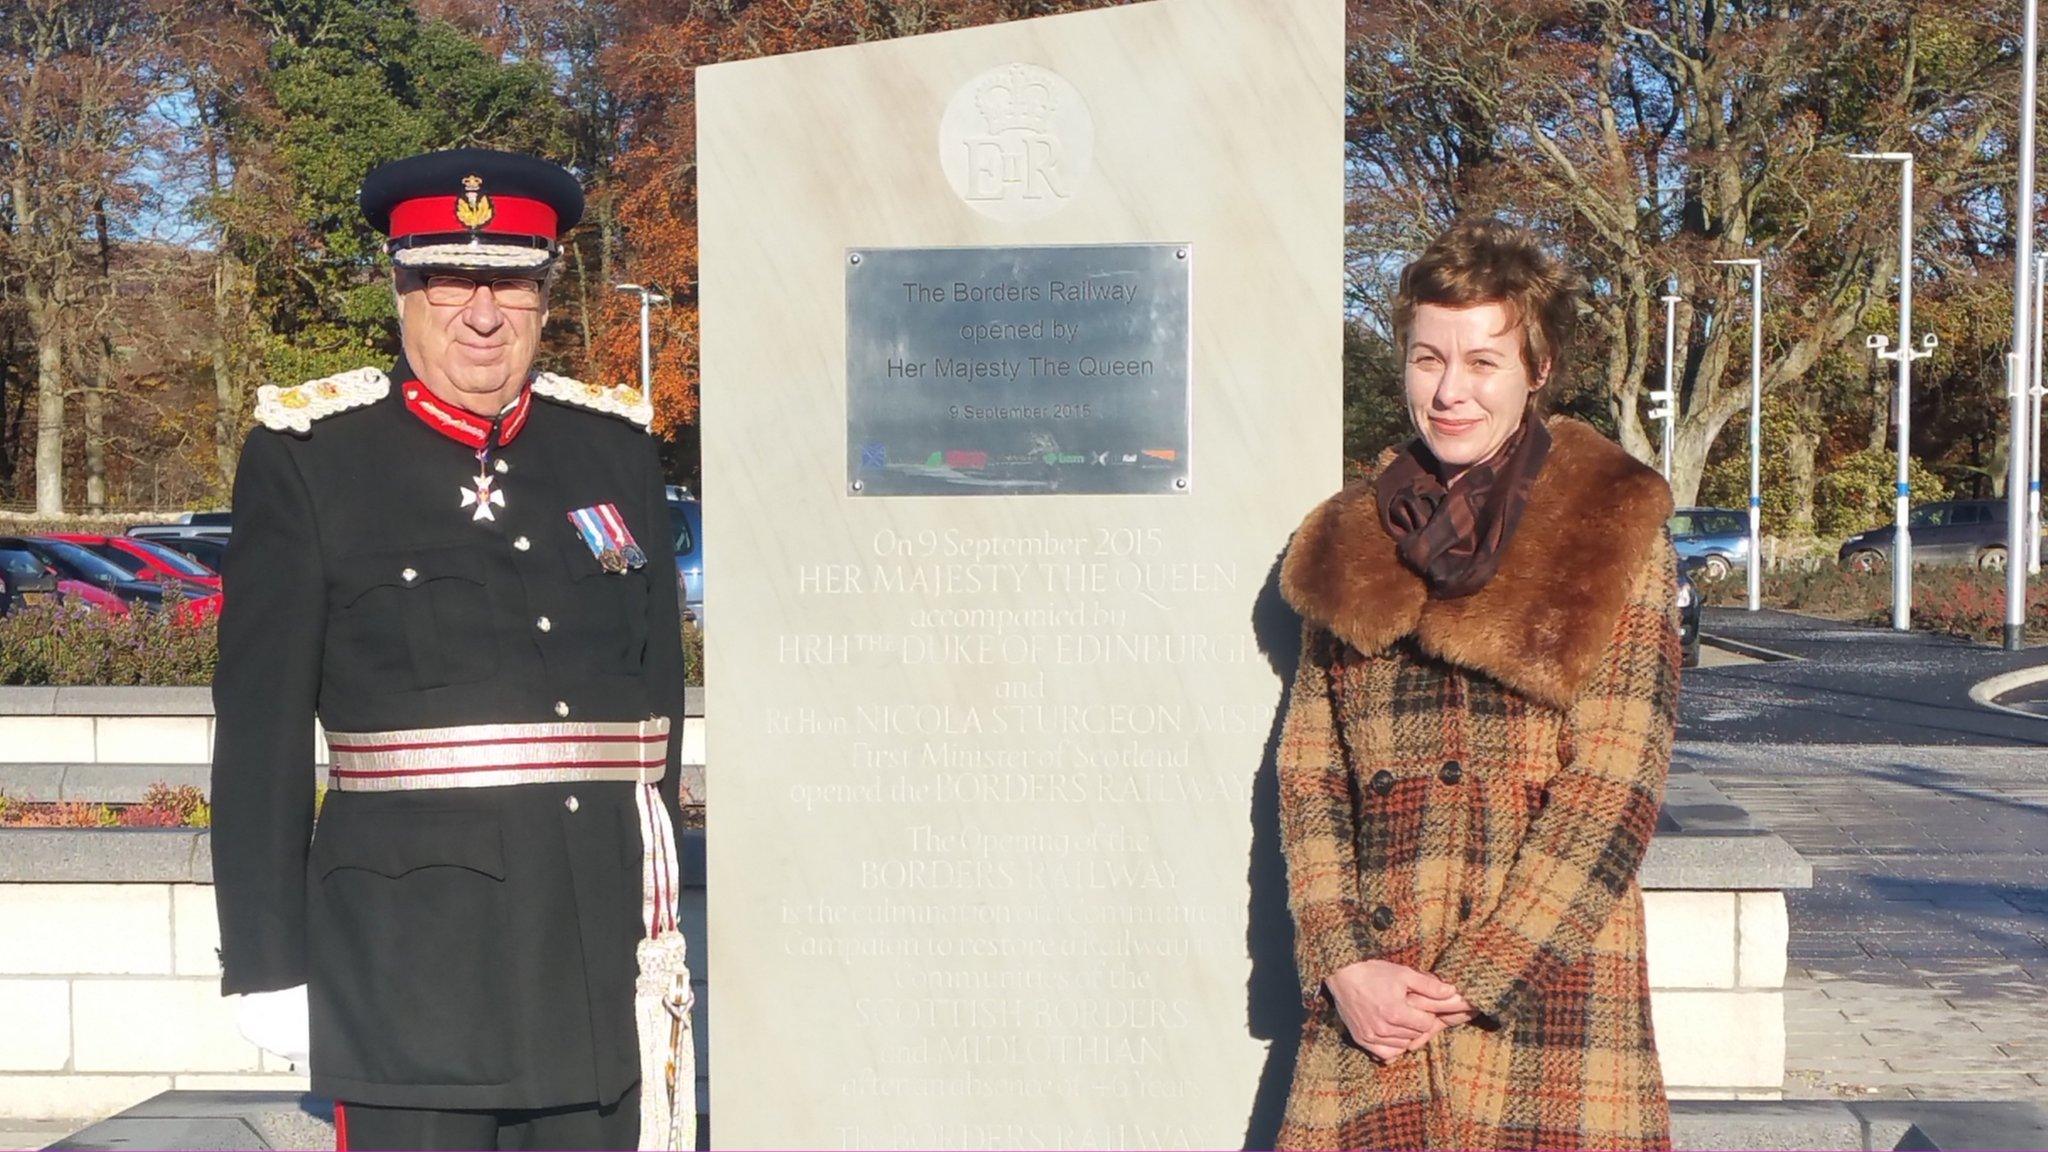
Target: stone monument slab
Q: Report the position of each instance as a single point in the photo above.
(993, 846)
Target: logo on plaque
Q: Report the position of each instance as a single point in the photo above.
(1016, 142)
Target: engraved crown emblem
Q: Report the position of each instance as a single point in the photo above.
(473, 208)
(1016, 101)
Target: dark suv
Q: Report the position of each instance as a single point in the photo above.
(1946, 532)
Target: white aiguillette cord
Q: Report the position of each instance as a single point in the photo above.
(659, 876)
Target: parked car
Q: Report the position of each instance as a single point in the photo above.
(145, 559)
(1689, 610)
(93, 578)
(24, 581)
(1717, 537)
(208, 550)
(188, 526)
(1945, 532)
(686, 519)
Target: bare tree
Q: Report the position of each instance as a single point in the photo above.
(1652, 137)
(76, 83)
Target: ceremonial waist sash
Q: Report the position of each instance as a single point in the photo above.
(491, 755)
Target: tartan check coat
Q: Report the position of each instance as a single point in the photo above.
(1467, 787)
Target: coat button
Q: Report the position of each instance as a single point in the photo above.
(1382, 783)
(522, 543)
(571, 804)
(503, 467)
(1383, 917)
(561, 707)
(544, 624)
(1452, 772)
(409, 575)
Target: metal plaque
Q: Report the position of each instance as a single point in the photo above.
(1018, 371)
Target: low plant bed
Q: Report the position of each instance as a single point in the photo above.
(162, 807)
(70, 646)
(1961, 602)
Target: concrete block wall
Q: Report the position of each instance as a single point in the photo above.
(110, 993)
(1717, 977)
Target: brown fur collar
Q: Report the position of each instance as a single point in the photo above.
(1540, 625)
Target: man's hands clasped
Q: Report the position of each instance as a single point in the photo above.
(1390, 1009)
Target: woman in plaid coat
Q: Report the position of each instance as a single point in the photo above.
(1475, 747)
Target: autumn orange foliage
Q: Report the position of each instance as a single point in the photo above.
(651, 189)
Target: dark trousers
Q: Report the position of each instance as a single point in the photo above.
(370, 1128)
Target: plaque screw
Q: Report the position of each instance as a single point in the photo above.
(853, 259)
(1181, 483)
(857, 485)
(1182, 254)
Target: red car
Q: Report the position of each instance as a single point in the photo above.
(145, 559)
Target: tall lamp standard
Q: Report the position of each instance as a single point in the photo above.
(1905, 354)
(1668, 405)
(648, 298)
(2016, 517)
(1756, 427)
(2034, 425)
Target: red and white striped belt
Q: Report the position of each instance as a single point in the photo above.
(491, 755)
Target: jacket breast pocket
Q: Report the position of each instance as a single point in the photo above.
(411, 947)
(407, 619)
(608, 611)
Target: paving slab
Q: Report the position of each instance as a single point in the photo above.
(1926, 957)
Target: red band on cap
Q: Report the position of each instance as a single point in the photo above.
(512, 215)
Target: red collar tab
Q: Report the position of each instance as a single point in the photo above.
(510, 215)
(462, 426)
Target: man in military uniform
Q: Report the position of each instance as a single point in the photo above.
(461, 569)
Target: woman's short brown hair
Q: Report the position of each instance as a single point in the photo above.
(1481, 260)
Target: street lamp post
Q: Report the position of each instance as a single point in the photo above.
(1667, 399)
(2017, 518)
(648, 298)
(2034, 425)
(1905, 354)
(1756, 427)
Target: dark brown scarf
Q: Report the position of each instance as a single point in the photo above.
(1455, 536)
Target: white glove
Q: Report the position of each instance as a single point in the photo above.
(275, 1022)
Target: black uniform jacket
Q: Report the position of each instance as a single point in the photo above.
(465, 948)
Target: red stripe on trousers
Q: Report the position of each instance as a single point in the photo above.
(340, 1127)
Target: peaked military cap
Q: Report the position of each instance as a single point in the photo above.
(471, 209)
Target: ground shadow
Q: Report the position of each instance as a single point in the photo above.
(1273, 1009)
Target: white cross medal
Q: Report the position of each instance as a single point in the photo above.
(483, 496)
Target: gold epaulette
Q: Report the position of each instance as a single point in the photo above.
(626, 401)
(295, 408)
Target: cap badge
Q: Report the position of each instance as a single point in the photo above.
(473, 208)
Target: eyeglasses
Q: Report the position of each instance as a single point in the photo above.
(519, 293)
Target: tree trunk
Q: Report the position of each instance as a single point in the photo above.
(95, 447)
(1802, 457)
(227, 399)
(42, 315)
(96, 381)
(582, 305)
(1802, 453)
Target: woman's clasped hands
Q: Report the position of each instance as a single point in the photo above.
(1390, 1009)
